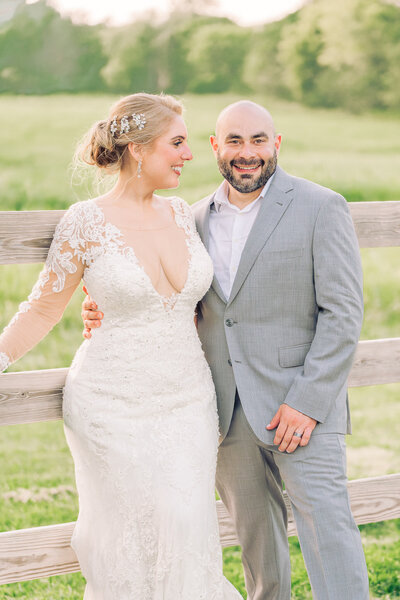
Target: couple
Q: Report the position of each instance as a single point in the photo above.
(278, 327)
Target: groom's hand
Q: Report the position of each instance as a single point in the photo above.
(288, 420)
(91, 316)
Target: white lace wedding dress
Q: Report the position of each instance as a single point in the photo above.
(139, 411)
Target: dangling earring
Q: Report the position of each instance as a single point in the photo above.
(139, 169)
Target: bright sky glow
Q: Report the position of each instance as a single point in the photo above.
(119, 12)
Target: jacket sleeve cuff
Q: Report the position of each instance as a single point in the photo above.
(318, 411)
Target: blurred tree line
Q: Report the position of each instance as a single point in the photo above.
(338, 54)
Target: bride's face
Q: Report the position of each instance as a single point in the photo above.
(163, 162)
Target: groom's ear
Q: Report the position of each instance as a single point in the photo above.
(213, 142)
(277, 142)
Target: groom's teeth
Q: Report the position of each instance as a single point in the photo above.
(177, 170)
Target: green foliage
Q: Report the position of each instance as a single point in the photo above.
(351, 62)
(379, 44)
(217, 57)
(175, 42)
(63, 587)
(132, 65)
(42, 53)
(314, 56)
(382, 552)
(263, 67)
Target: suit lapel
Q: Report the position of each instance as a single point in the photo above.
(273, 207)
(203, 228)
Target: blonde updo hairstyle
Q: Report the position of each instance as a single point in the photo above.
(102, 148)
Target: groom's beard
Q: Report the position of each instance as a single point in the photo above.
(243, 182)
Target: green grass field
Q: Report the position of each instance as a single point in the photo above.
(356, 155)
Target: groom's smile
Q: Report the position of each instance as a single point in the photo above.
(247, 170)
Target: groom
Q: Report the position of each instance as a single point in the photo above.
(279, 328)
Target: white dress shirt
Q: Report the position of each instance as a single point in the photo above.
(229, 229)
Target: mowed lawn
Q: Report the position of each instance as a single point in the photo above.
(358, 155)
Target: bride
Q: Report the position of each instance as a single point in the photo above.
(139, 403)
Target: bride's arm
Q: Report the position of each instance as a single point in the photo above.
(57, 282)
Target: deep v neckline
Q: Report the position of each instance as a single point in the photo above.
(168, 301)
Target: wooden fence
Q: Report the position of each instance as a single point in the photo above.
(36, 396)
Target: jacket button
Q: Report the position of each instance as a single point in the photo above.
(229, 322)
(229, 362)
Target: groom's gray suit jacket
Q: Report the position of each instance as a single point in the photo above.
(289, 330)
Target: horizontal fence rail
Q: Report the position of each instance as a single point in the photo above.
(376, 362)
(25, 236)
(377, 224)
(44, 551)
(33, 396)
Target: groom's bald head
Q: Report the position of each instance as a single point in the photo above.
(241, 112)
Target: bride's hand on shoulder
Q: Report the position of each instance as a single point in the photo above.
(91, 316)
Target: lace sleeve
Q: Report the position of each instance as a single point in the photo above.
(69, 254)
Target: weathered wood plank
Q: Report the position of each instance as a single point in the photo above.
(44, 551)
(25, 236)
(34, 553)
(376, 362)
(377, 223)
(31, 396)
(34, 396)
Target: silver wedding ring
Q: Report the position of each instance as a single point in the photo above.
(297, 434)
